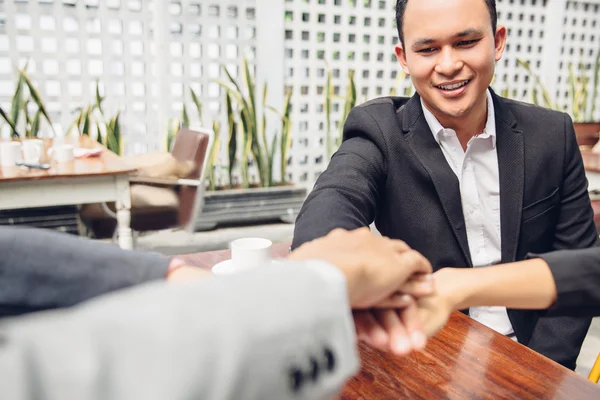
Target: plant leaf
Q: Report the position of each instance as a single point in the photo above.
(36, 98)
(35, 125)
(198, 105)
(99, 99)
(15, 134)
(232, 145)
(17, 101)
(185, 119)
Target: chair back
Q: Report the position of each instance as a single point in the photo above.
(190, 146)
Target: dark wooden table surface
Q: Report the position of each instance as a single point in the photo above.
(465, 360)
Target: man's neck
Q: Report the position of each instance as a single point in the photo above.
(468, 125)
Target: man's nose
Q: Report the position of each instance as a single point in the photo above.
(449, 64)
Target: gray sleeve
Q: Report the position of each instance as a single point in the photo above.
(279, 332)
(42, 269)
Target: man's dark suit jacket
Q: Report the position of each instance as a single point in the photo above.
(389, 169)
(42, 269)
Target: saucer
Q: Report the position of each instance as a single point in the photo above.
(227, 267)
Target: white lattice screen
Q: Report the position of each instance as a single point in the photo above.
(71, 43)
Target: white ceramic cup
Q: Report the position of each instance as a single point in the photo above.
(63, 153)
(249, 253)
(10, 153)
(33, 149)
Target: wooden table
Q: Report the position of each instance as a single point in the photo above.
(88, 180)
(465, 360)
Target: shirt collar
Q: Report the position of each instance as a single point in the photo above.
(490, 126)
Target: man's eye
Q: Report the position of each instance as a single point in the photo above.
(428, 50)
(467, 42)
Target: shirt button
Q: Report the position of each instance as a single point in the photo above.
(296, 379)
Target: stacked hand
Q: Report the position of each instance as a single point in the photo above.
(390, 287)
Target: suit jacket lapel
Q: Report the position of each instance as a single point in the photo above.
(429, 153)
(511, 168)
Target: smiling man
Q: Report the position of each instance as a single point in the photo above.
(462, 175)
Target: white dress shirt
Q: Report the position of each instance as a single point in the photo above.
(477, 173)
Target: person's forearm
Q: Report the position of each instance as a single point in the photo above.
(525, 284)
(42, 269)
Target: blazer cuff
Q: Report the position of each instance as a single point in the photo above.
(574, 279)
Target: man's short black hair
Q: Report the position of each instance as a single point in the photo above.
(401, 7)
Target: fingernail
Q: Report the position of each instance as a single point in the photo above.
(418, 340)
(426, 286)
(429, 277)
(406, 298)
(403, 345)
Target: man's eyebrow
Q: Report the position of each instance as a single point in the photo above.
(467, 32)
(422, 42)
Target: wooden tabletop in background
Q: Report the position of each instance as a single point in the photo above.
(107, 163)
(465, 360)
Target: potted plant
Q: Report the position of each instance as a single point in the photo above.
(240, 170)
(583, 95)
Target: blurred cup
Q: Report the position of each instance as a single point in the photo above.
(10, 153)
(33, 149)
(63, 153)
(249, 253)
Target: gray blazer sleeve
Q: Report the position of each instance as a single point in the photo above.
(280, 332)
(42, 269)
(577, 277)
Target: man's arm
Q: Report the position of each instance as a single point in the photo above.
(41, 269)
(575, 229)
(345, 195)
(276, 332)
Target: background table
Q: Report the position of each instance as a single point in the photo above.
(465, 360)
(89, 180)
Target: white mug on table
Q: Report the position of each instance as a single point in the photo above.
(251, 252)
(63, 153)
(33, 150)
(246, 253)
(10, 153)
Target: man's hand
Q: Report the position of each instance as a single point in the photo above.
(377, 271)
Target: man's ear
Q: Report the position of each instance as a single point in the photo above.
(401, 56)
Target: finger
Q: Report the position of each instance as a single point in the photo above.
(397, 300)
(418, 286)
(414, 262)
(411, 320)
(399, 245)
(400, 343)
(369, 330)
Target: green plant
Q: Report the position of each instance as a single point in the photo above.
(232, 142)
(581, 106)
(24, 95)
(327, 105)
(286, 134)
(349, 99)
(213, 156)
(93, 121)
(349, 103)
(254, 125)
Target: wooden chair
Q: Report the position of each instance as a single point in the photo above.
(159, 203)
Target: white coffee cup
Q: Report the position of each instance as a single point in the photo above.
(33, 149)
(249, 253)
(63, 153)
(10, 153)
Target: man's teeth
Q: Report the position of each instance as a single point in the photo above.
(455, 86)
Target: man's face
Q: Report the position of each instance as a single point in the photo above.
(450, 52)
